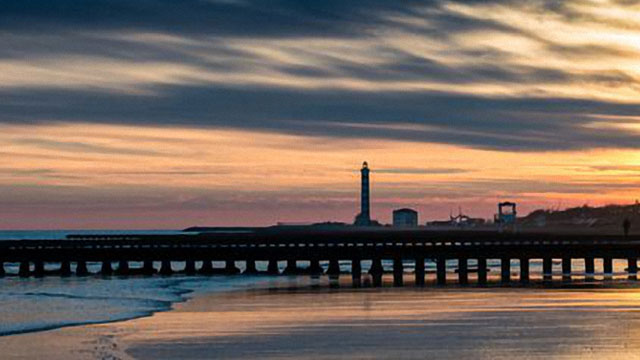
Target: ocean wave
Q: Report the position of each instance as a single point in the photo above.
(30, 305)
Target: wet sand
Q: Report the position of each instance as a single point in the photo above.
(299, 322)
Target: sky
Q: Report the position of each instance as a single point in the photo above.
(140, 114)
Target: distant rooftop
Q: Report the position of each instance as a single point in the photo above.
(405, 210)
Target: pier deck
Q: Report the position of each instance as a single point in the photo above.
(354, 245)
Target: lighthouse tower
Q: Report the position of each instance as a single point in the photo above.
(364, 218)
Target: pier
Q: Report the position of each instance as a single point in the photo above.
(312, 246)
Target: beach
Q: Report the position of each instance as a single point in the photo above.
(302, 318)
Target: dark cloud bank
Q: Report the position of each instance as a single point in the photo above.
(535, 123)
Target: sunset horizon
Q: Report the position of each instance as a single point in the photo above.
(165, 115)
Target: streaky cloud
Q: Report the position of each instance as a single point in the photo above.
(521, 124)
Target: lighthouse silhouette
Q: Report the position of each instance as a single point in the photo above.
(364, 218)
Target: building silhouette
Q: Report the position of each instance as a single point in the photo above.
(405, 218)
(364, 218)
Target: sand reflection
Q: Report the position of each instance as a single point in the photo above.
(394, 323)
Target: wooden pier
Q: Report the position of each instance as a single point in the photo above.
(354, 245)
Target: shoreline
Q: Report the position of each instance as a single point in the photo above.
(320, 285)
(159, 305)
(222, 321)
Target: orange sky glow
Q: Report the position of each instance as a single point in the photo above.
(139, 176)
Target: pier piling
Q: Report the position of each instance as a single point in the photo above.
(65, 268)
(123, 267)
(356, 269)
(24, 270)
(206, 268)
(547, 269)
(607, 264)
(38, 269)
(81, 268)
(165, 268)
(482, 271)
(334, 267)
(315, 268)
(106, 269)
(463, 271)
(292, 267)
(441, 271)
(376, 272)
(231, 269)
(190, 267)
(356, 272)
(632, 268)
(524, 270)
(376, 267)
(272, 268)
(566, 269)
(250, 267)
(505, 275)
(398, 272)
(419, 271)
(589, 268)
(147, 267)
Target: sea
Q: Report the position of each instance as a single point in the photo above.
(51, 302)
(39, 304)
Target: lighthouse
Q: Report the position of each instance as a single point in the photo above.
(364, 218)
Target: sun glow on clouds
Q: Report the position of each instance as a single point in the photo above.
(591, 56)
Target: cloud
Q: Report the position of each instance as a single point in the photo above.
(491, 123)
(421, 171)
(74, 146)
(249, 18)
(617, 168)
(493, 75)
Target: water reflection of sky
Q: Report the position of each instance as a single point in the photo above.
(398, 323)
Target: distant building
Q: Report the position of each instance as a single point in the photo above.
(458, 221)
(507, 216)
(507, 213)
(364, 217)
(405, 218)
